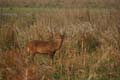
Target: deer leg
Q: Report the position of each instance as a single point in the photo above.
(52, 56)
(32, 58)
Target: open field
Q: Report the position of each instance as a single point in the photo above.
(61, 3)
(90, 50)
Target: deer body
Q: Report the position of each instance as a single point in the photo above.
(45, 47)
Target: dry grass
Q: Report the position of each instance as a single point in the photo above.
(90, 50)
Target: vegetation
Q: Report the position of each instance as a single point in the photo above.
(90, 50)
(61, 3)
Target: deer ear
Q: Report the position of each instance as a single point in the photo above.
(50, 31)
(63, 31)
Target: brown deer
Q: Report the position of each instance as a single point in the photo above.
(45, 47)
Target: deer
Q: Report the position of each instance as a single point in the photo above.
(45, 47)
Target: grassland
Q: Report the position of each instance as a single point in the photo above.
(90, 50)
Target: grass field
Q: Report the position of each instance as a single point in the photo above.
(90, 50)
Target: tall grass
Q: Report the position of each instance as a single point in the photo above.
(90, 50)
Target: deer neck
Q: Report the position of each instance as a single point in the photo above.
(58, 43)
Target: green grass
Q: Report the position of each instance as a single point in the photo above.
(38, 9)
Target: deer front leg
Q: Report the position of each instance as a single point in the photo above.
(52, 56)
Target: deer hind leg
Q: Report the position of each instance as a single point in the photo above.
(31, 58)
